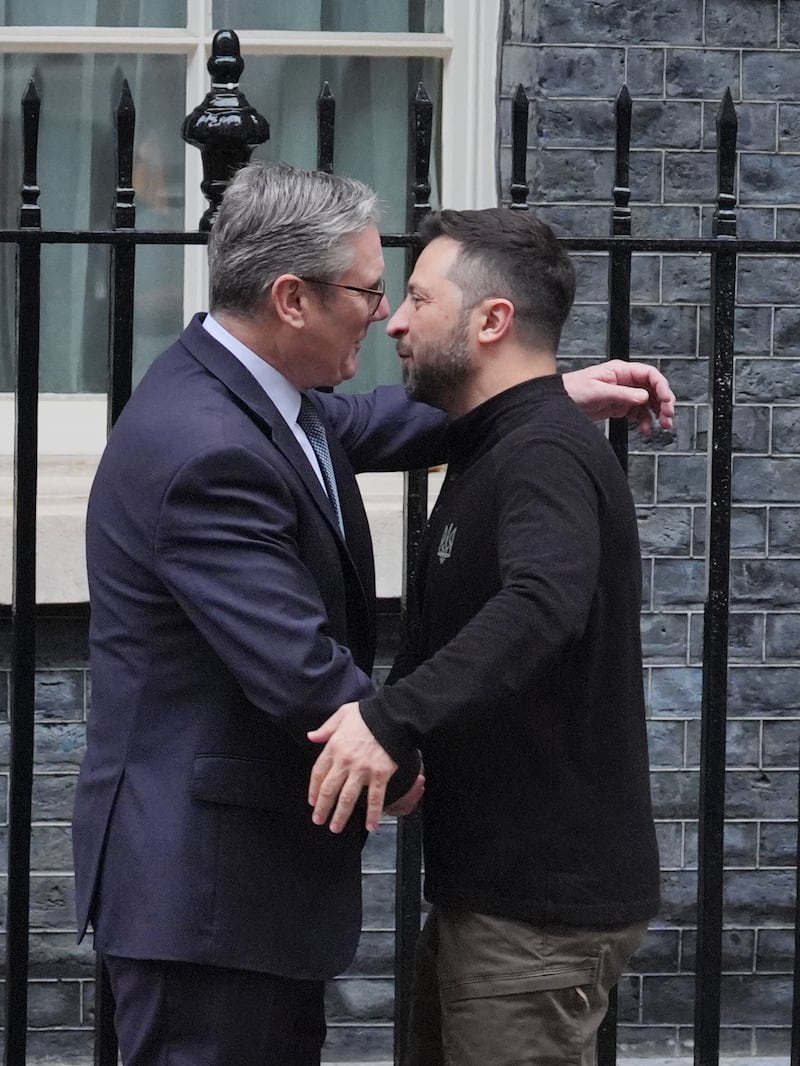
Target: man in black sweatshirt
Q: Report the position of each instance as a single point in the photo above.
(521, 680)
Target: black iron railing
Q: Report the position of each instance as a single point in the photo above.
(220, 157)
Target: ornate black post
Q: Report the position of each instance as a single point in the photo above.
(714, 709)
(326, 129)
(224, 127)
(519, 150)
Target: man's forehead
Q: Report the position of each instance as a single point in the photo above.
(435, 260)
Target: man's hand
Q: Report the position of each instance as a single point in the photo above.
(616, 389)
(408, 803)
(351, 760)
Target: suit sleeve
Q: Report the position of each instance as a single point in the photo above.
(226, 547)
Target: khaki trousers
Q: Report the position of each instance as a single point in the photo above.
(497, 992)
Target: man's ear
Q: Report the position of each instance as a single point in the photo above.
(290, 300)
(496, 317)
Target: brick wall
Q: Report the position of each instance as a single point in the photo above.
(677, 58)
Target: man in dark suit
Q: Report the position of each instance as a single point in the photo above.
(233, 607)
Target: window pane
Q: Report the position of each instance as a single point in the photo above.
(389, 16)
(166, 13)
(372, 108)
(77, 178)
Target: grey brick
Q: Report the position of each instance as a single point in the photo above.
(759, 998)
(584, 317)
(678, 898)
(771, 583)
(659, 221)
(659, 953)
(645, 71)
(770, 76)
(669, 836)
(4, 686)
(771, 691)
(647, 1041)
(688, 378)
(629, 999)
(645, 278)
(664, 637)
(690, 176)
(761, 793)
(748, 531)
(56, 954)
(790, 24)
(750, 428)
(575, 124)
(787, 228)
(745, 637)
(53, 1003)
(513, 20)
(375, 955)
(758, 897)
(611, 22)
(380, 849)
(350, 1043)
(702, 74)
(647, 598)
(778, 844)
(678, 583)
(352, 999)
(780, 744)
(775, 951)
(740, 848)
(782, 636)
(767, 480)
(784, 531)
(752, 223)
(378, 891)
(667, 999)
(690, 844)
(59, 695)
(573, 220)
(771, 280)
(591, 278)
(732, 25)
(788, 127)
(772, 1042)
(62, 642)
(558, 71)
(738, 950)
(757, 126)
(665, 530)
(685, 278)
(662, 331)
(59, 747)
(675, 691)
(67, 1047)
(681, 478)
(666, 124)
(742, 745)
(52, 902)
(51, 849)
(563, 174)
(675, 793)
(786, 430)
(642, 477)
(769, 179)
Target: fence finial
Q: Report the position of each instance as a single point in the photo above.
(727, 126)
(225, 127)
(519, 150)
(326, 128)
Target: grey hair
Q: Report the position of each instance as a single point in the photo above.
(276, 219)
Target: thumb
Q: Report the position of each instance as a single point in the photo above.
(326, 730)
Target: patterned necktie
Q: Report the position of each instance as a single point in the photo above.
(311, 424)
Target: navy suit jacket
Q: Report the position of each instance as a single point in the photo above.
(228, 617)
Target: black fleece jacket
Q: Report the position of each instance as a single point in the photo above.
(523, 676)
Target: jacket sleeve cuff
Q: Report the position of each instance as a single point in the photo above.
(394, 740)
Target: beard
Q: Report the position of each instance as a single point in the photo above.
(439, 372)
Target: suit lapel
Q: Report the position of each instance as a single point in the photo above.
(357, 550)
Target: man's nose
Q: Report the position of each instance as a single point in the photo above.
(397, 324)
(383, 310)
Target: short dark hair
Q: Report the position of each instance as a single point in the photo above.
(512, 254)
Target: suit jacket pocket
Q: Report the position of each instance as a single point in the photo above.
(255, 783)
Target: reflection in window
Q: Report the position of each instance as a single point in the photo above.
(375, 16)
(113, 13)
(77, 177)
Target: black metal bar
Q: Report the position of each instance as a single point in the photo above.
(326, 129)
(715, 632)
(23, 608)
(519, 151)
(619, 291)
(415, 510)
(668, 245)
(122, 265)
(225, 127)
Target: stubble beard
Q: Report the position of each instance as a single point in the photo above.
(442, 373)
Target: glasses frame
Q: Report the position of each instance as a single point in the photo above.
(378, 294)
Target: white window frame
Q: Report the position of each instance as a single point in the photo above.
(72, 427)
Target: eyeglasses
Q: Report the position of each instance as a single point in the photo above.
(376, 294)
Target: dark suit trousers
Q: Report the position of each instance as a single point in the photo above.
(183, 1014)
